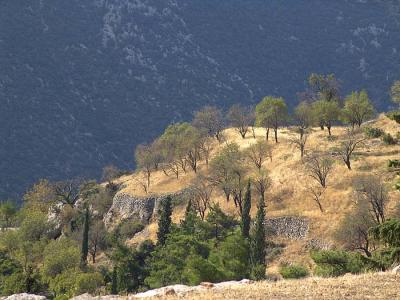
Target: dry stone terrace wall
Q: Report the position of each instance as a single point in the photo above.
(142, 209)
(294, 228)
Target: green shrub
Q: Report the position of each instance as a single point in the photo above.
(394, 163)
(258, 272)
(331, 263)
(394, 115)
(388, 139)
(372, 132)
(88, 283)
(129, 228)
(293, 271)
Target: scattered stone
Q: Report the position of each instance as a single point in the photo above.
(294, 228)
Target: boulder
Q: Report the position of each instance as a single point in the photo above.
(24, 296)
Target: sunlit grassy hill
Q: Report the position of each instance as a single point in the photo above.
(289, 194)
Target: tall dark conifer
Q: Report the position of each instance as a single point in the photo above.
(246, 220)
(258, 238)
(164, 221)
(85, 239)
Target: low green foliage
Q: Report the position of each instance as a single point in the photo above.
(293, 271)
(394, 115)
(331, 263)
(127, 229)
(373, 132)
(388, 139)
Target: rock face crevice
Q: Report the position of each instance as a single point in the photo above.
(294, 228)
(141, 209)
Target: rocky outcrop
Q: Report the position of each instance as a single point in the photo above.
(142, 209)
(294, 228)
(178, 289)
(24, 296)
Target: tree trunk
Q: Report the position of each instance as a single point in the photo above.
(267, 134)
(276, 135)
(329, 130)
(348, 163)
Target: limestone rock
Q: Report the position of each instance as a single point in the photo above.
(24, 296)
(142, 209)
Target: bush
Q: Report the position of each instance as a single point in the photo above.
(88, 283)
(293, 271)
(388, 139)
(127, 229)
(372, 132)
(394, 163)
(258, 272)
(394, 115)
(331, 263)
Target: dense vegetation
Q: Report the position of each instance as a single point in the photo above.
(57, 242)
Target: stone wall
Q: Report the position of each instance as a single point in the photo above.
(142, 209)
(294, 228)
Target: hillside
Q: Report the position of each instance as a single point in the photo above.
(289, 195)
(80, 80)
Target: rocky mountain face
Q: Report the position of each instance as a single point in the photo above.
(83, 82)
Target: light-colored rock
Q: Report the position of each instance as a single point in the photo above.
(396, 269)
(142, 209)
(24, 296)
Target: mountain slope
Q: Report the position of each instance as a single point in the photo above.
(83, 82)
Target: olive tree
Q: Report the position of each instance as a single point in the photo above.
(319, 167)
(349, 145)
(271, 112)
(304, 116)
(357, 108)
(258, 152)
(327, 113)
(395, 92)
(240, 118)
(210, 120)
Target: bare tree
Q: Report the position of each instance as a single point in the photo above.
(319, 167)
(372, 190)
(317, 193)
(97, 239)
(258, 152)
(347, 147)
(262, 182)
(144, 156)
(353, 231)
(210, 120)
(67, 192)
(300, 142)
(205, 149)
(141, 179)
(202, 191)
(110, 173)
(240, 117)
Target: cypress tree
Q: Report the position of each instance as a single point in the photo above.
(114, 282)
(85, 240)
(188, 223)
(258, 241)
(164, 222)
(245, 224)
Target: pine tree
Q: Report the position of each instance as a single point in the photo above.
(164, 222)
(85, 240)
(245, 224)
(258, 243)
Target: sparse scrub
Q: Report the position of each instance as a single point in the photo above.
(388, 139)
(373, 132)
(293, 271)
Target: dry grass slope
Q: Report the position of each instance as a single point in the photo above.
(366, 286)
(288, 194)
